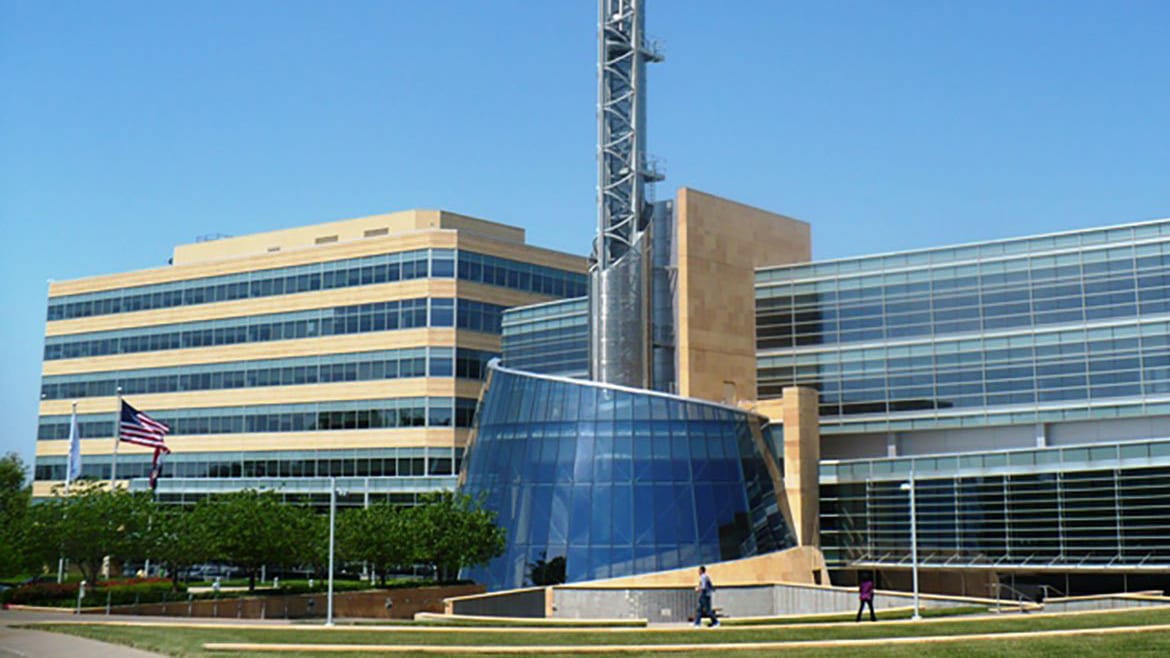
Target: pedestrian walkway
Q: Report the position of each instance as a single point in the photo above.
(24, 643)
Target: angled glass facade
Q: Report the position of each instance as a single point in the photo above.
(1040, 329)
(617, 481)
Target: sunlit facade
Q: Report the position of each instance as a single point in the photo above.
(352, 349)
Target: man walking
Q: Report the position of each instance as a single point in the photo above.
(704, 588)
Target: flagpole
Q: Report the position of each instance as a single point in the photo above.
(117, 440)
(74, 444)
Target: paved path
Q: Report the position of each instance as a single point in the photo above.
(23, 643)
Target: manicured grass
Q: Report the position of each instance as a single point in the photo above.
(189, 641)
(501, 623)
(888, 615)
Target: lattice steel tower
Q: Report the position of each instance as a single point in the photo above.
(620, 323)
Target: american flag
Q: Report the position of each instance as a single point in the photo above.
(137, 427)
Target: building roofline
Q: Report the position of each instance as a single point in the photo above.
(494, 364)
(965, 245)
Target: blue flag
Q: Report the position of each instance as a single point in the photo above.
(73, 468)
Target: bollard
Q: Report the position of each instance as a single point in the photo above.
(264, 609)
(190, 602)
(239, 608)
(109, 593)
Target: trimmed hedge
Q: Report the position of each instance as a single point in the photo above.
(117, 592)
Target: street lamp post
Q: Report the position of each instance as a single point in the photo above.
(909, 486)
(332, 519)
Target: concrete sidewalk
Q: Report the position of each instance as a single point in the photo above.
(24, 643)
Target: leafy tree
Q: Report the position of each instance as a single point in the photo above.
(14, 500)
(544, 572)
(87, 525)
(252, 529)
(379, 535)
(452, 531)
(176, 541)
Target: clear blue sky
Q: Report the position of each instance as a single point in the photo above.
(128, 127)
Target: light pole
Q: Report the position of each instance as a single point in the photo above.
(909, 486)
(332, 519)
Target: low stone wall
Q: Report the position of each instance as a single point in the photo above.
(528, 603)
(676, 604)
(1105, 602)
(368, 604)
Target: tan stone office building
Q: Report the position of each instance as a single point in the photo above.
(352, 349)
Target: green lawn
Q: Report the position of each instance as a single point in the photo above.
(189, 641)
(885, 615)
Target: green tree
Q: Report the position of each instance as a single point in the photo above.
(452, 531)
(14, 500)
(544, 572)
(378, 534)
(88, 524)
(176, 541)
(252, 529)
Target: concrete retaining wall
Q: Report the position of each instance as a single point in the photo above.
(370, 604)
(1115, 602)
(515, 603)
(677, 604)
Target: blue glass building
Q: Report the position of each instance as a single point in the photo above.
(618, 481)
(550, 338)
(1025, 383)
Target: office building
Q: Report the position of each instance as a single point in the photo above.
(1023, 384)
(353, 349)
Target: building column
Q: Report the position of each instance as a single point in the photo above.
(1041, 435)
(802, 455)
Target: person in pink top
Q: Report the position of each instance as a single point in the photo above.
(865, 588)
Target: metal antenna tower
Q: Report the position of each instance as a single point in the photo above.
(620, 326)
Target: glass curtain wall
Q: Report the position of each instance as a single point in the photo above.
(606, 481)
(1091, 507)
(1043, 323)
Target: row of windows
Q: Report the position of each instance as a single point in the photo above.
(563, 351)
(564, 307)
(521, 276)
(312, 417)
(930, 308)
(369, 270)
(1070, 346)
(991, 254)
(360, 366)
(342, 320)
(1109, 516)
(1118, 376)
(1038, 272)
(218, 466)
(1071, 365)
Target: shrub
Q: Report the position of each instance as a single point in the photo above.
(119, 592)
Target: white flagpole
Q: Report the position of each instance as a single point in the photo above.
(117, 440)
